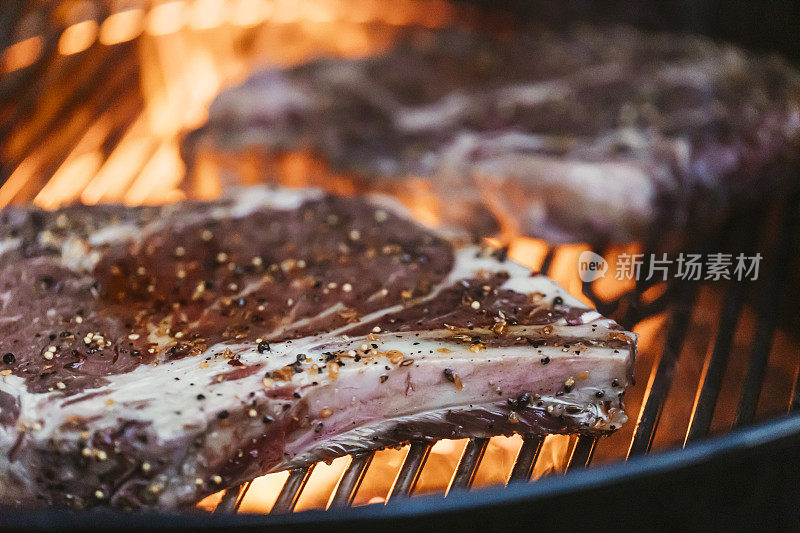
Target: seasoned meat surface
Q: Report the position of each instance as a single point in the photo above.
(152, 356)
(592, 133)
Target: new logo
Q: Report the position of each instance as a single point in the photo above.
(591, 266)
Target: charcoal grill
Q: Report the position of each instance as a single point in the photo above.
(733, 450)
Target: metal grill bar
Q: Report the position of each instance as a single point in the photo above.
(634, 304)
(708, 393)
(703, 409)
(767, 315)
(232, 498)
(547, 262)
(582, 453)
(113, 107)
(526, 459)
(409, 473)
(351, 480)
(291, 490)
(13, 83)
(79, 80)
(468, 464)
(21, 91)
(654, 400)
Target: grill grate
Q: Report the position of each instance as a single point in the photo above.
(767, 322)
(468, 464)
(351, 480)
(526, 459)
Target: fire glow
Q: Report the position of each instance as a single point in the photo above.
(187, 52)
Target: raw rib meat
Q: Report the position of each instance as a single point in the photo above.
(152, 356)
(596, 133)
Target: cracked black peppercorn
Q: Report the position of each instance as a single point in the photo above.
(8, 358)
(448, 375)
(222, 415)
(545, 360)
(520, 402)
(263, 346)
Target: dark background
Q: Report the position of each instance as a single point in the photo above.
(764, 25)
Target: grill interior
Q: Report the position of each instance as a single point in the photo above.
(93, 103)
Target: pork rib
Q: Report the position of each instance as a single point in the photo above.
(152, 356)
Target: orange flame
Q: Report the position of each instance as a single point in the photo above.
(78, 37)
(166, 18)
(22, 54)
(122, 27)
